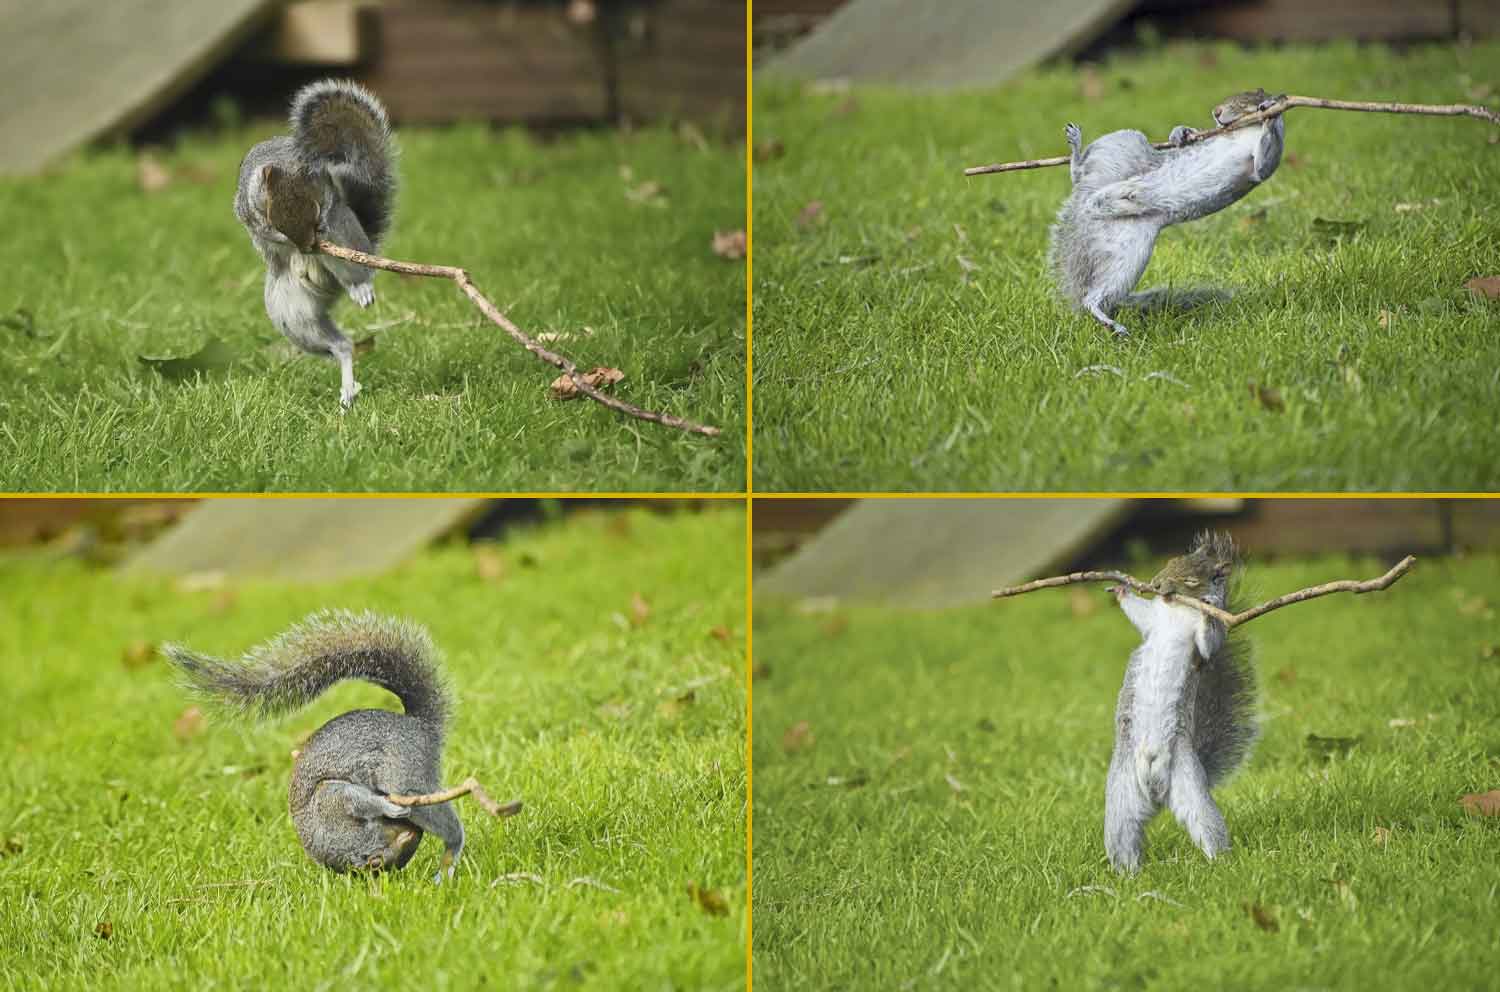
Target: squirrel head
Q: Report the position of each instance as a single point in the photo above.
(1203, 573)
(291, 204)
(1240, 104)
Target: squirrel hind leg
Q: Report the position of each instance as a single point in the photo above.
(441, 821)
(343, 353)
(1098, 313)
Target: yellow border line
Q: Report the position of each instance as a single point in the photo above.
(1227, 494)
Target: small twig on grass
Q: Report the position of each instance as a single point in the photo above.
(472, 787)
(1285, 103)
(1224, 616)
(461, 277)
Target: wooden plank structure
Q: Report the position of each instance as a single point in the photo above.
(77, 70)
(304, 540)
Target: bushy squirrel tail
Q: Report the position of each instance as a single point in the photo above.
(1225, 726)
(342, 127)
(297, 666)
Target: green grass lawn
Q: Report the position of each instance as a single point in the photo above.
(626, 742)
(96, 273)
(939, 824)
(907, 336)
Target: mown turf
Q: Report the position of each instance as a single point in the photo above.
(907, 336)
(939, 822)
(96, 273)
(625, 742)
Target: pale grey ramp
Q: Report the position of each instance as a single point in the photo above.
(944, 43)
(301, 539)
(76, 70)
(939, 552)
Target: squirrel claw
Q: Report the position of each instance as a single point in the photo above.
(362, 293)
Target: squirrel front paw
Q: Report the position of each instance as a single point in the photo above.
(1074, 135)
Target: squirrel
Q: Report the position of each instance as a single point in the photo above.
(1125, 192)
(334, 176)
(1185, 717)
(343, 774)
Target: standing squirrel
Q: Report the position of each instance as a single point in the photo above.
(1125, 192)
(333, 177)
(1185, 717)
(342, 775)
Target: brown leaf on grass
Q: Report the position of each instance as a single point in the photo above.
(809, 214)
(138, 654)
(1090, 84)
(798, 737)
(489, 564)
(11, 846)
(189, 724)
(760, 671)
(104, 930)
(1386, 318)
(1263, 917)
(1081, 604)
(1382, 836)
(564, 388)
(835, 625)
(1286, 675)
(1293, 159)
(729, 244)
(769, 150)
(1486, 286)
(1482, 803)
(365, 345)
(150, 174)
(649, 193)
(719, 633)
(639, 609)
(711, 901)
(1269, 397)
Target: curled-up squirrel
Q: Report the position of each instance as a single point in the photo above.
(1185, 717)
(343, 774)
(333, 177)
(1125, 192)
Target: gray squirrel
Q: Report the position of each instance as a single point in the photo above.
(333, 177)
(1186, 712)
(343, 774)
(1125, 192)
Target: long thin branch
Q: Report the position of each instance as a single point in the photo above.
(470, 786)
(1285, 103)
(1228, 619)
(461, 277)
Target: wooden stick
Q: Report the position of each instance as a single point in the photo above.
(461, 277)
(472, 787)
(1224, 616)
(1285, 103)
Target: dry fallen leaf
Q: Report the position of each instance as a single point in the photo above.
(760, 671)
(810, 213)
(488, 563)
(639, 609)
(729, 244)
(1262, 916)
(11, 846)
(1483, 803)
(772, 148)
(1486, 286)
(798, 737)
(104, 930)
(719, 633)
(564, 388)
(1386, 318)
(1269, 397)
(138, 654)
(711, 901)
(189, 724)
(1286, 675)
(1382, 836)
(1090, 84)
(150, 174)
